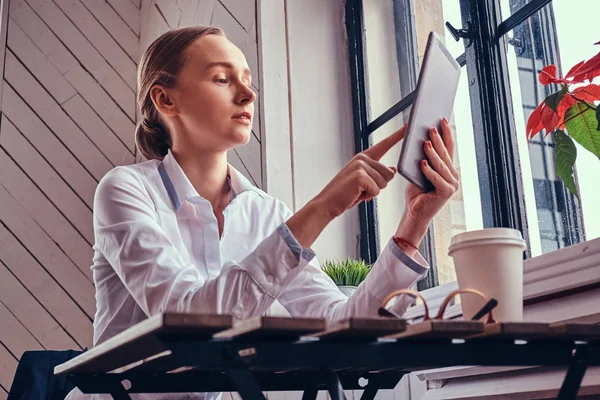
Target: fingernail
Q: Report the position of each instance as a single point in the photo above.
(424, 163)
(435, 131)
(429, 145)
(445, 120)
(393, 169)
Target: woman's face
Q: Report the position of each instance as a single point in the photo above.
(213, 101)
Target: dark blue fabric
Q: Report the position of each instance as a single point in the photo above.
(35, 379)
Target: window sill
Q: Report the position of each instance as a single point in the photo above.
(558, 286)
(538, 383)
(553, 275)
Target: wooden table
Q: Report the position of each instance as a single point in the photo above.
(208, 353)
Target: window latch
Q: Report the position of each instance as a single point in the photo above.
(458, 34)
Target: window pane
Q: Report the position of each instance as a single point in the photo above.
(546, 38)
(396, 34)
(383, 90)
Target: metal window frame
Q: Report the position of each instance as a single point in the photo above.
(369, 240)
(496, 142)
(485, 57)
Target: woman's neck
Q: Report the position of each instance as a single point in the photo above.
(208, 175)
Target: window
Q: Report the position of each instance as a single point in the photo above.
(547, 37)
(395, 36)
(504, 180)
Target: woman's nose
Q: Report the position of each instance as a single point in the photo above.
(246, 96)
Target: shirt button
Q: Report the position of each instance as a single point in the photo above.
(237, 312)
(290, 260)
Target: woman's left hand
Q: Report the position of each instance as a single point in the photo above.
(421, 206)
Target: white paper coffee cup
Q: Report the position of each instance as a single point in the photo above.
(491, 261)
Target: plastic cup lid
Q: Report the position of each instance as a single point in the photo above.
(502, 234)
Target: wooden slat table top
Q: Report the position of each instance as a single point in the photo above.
(273, 327)
(140, 342)
(287, 329)
(575, 331)
(514, 331)
(141, 346)
(362, 328)
(440, 329)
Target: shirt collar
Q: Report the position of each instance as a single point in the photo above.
(180, 188)
(240, 184)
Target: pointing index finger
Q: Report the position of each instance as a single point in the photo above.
(378, 150)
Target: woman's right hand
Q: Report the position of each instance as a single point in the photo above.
(361, 179)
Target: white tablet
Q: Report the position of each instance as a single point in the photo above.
(434, 99)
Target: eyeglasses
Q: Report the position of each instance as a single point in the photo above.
(487, 308)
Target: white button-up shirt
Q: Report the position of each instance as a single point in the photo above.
(157, 248)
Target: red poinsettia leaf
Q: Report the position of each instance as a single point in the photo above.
(573, 70)
(562, 108)
(550, 119)
(589, 93)
(534, 123)
(590, 76)
(593, 62)
(548, 75)
(579, 77)
(590, 67)
(565, 104)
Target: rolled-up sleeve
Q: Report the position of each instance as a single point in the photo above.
(395, 270)
(154, 272)
(314, 294)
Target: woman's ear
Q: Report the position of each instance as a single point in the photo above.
(163, 101)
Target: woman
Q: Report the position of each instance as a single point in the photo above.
(186, 232)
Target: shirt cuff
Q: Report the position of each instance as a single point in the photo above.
(277, 260)
(289, 239)
(394, 270)
(419, 265)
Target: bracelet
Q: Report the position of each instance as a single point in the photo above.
(398, 240)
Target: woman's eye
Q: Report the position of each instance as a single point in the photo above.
(222, 80)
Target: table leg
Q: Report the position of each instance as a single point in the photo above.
(90, 385)
(370, 391)
(310, 391)
(575, 373)
(334, 386)
(245, 384)
(120, 394)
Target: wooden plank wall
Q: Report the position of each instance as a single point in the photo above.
(238, 19)
(68, 115)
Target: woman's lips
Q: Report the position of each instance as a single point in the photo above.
(243, 119)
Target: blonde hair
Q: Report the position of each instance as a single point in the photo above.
(160, 64)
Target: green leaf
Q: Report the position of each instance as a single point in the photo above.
(581, 123)
(566, 154)
(598, 117)
(554, 99)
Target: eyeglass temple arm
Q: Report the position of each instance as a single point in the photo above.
(413, 293)
(486, 309)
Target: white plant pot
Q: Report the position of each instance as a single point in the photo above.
(348, 290)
